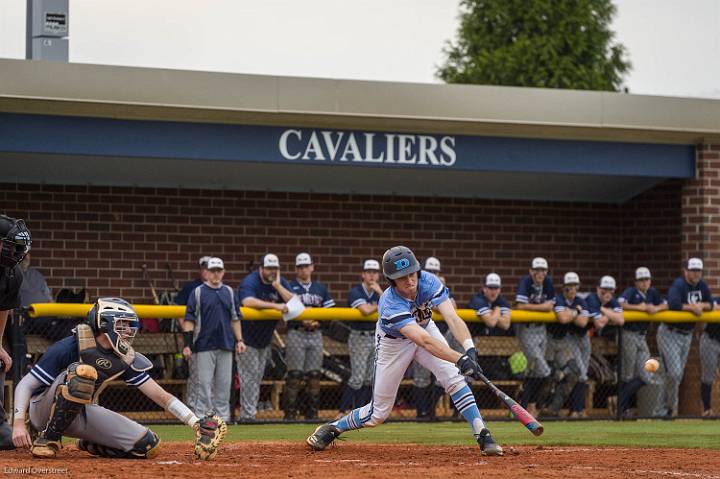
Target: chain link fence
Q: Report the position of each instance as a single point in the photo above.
(314, 371)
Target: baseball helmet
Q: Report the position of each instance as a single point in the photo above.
(117, 320)
(15, 241)
(399, 261)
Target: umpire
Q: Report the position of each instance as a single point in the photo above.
(304, 350)
(361, 344)
(212, 332)
(687, 293)
(14, 245)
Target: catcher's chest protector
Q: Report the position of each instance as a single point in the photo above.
(109, 365)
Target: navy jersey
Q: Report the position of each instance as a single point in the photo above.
(635, 296)
(65, 352)
(482, 307)
(529, 292)
(259, 333)
(395, 312)
(184, 294)
(358, 296)
(312, 295)
(593, 303)
(10, 282)
(213, 310)
(557, 330)
(681, 292)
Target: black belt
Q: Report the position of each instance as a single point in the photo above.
(389, 336)
(684, 332)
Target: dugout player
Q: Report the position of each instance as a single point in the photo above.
(492, 307)
(304, 349)
(15, 243)
(62, 391)
(709, 360)
(634, 349)
(562, 351)
(261, 289)
(535, 292)
(687, 293)
(212, 331)
(605, 310)
(361, 344)
(406, 332)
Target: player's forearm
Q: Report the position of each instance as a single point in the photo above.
(23, 392)
(614, 318)
(544, 307)
(283, 292)
(457, 326)
(580, 320)
(3, 321)
(168, 402)
(439, 349)
(237, 331)
(490, 320)
(258, 304)
(504, 321)
(367, 309)
(564, 316)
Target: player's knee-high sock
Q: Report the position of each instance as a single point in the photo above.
(577, 397)
(356, 419)
(706, 394)
(464, 401)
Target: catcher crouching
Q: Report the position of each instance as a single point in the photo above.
(63, 388)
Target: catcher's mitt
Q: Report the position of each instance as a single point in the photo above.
(209, 433)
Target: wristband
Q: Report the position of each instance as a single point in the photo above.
(468, 343)
(188, 339)
(241, 340)
(182, 412)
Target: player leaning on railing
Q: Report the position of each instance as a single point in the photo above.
(406, 332)
(72, 374)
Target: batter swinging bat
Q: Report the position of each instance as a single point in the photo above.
(518, 411)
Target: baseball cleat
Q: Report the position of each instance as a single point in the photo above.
(45, 448)
(488, 446)
(322, 437)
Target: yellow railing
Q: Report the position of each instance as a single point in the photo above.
(352, 314)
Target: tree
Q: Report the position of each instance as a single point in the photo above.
(536, 43)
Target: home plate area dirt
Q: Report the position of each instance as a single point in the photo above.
(347, 460)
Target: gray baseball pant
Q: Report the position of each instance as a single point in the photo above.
(674, 348)
(95, 424)
(214, 371)
(251, 365)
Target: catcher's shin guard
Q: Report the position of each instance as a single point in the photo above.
(145, 448)
(291, 392)
(70, 398)
(313, 392)
(322, 437)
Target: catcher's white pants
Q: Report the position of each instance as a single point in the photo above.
(393, 357)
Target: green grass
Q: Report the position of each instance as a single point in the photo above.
(677, 434)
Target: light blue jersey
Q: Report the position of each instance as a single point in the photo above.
(395, 312)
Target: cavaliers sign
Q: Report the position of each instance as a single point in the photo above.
(352, 147)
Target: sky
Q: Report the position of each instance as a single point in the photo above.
(674, 45)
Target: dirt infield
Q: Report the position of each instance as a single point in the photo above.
(347, 460)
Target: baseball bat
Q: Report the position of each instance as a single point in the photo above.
(148, 280)
(517, 410)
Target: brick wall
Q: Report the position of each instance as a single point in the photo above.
(101, 236)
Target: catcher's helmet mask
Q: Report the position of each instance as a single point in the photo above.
(15, 241)
(117, 320)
